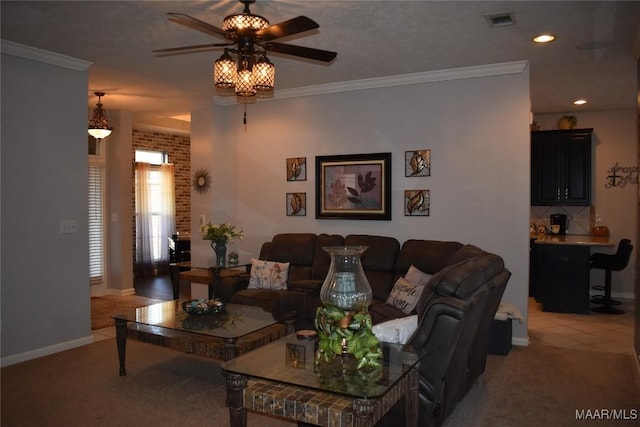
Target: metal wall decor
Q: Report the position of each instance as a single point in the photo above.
(417, 202)
(297, 169)
(417, 163)
(354, 186)
(296, 204)
(201, 181)
(620, 176)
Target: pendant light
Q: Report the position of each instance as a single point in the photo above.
(99, 124)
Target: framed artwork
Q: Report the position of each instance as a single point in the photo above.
(417, 163)
(297, 169)
(417, 202)
(354, 186)
(296, 204)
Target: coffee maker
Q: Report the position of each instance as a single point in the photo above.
(558, 224)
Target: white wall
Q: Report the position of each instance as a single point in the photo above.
(477, 131)
(614, 140)
(44, 274)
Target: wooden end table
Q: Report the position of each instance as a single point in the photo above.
(185, 272)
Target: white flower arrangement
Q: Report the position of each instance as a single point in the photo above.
(220, 233)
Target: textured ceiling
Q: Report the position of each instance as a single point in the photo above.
(593, 57)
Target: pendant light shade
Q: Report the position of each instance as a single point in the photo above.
(265, 74)
(99, 124)
(224, 71)
(245, 85)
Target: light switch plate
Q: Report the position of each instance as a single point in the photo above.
(68, 226)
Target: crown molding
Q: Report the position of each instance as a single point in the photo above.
(399, 80)
(45, 56)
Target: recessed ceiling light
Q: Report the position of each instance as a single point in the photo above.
(580, 101)
(544, 38)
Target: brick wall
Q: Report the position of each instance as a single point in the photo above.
(179, 151)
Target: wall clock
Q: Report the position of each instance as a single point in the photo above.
(201, 181)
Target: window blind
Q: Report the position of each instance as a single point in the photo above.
(96, 224)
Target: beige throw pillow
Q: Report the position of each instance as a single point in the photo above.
(268, 275)
(416, 276)
(404, 295)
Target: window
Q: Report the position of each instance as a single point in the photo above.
(155, 210)
(96, 215)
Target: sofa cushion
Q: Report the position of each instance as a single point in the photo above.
(429, 256)
(296, 249)
(380, 312)
(322, 259)
(405, 295)
(268, 275)
(378, 261)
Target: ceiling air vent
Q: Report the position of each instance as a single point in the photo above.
(499, 19)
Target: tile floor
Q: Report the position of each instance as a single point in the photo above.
(595, 331)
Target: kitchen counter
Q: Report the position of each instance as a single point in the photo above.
(572, 239)
(560, 271)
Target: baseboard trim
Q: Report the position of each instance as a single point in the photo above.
(524, 342)
(45, 351)
(121, 292)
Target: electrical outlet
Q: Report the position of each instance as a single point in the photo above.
(68, 226)
(598, 217)
(201, 219)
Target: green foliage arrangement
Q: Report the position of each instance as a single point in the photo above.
(337, 327)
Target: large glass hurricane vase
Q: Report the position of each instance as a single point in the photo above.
(346, 286)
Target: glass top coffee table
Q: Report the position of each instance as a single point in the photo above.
(281, 379)
(235, 330)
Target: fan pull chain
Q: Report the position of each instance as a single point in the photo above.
(244, 119)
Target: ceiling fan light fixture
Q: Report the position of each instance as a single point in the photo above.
(224, 71)
(99, 124)
(245, 85)
(265, 74)
(244, 21)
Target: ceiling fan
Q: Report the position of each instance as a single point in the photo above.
(249, 37)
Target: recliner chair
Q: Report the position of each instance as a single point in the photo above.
(609, 263)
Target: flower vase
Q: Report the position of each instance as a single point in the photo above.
(221, 253)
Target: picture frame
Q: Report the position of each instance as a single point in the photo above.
(417, 163)
(296, 204)
(417, 202)
(297, 169)
(354, 186)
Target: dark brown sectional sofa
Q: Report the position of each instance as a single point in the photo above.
(454, 312)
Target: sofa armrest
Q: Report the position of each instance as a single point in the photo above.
(309, 285)
(232, 284)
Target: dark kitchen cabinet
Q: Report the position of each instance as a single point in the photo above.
(561, 277)
(561, 167)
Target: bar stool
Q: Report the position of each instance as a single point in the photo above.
(609, 263)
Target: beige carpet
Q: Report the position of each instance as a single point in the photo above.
(103, 307)
(532, 386)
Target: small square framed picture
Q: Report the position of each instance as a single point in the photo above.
(417, 163)
(296, 204)
(417, 202)
(297, 169)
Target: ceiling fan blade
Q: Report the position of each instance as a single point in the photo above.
(187, 48)
(305, 52)
(196, 24)
(287, 28)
